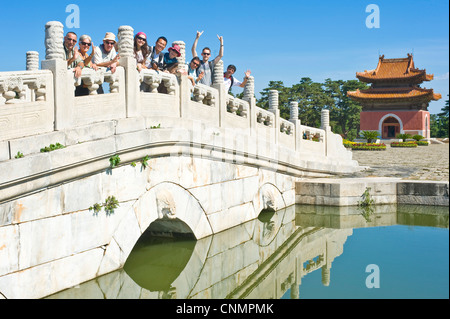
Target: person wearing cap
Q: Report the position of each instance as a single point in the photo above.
(170, 63)
(72, 56)
(105, 54)
(206, 65)
(141, 50)
(229, 80)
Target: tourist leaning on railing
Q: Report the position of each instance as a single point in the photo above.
(84, 44)
(141, 50)
(192, 71)
(105, 55)
(73, 58)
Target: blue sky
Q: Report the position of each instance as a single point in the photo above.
(284, 40)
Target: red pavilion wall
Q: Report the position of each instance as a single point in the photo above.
(411, 120)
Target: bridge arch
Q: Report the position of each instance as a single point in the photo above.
(268, 197)
(169, 202)
(171, 206)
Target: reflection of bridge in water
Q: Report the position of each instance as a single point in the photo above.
(260, 259)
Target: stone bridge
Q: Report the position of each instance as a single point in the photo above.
(81, 178)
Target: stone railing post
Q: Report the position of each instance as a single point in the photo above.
(219, 85)
(181, 59)
(184, 83)
(273, 107)
(297, 123)
(249, 96)
(128, 62)
(32, 60)
(62, 79)
(325, 125)
(32, 65)
(324, 119)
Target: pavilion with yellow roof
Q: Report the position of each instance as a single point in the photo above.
(395, 103)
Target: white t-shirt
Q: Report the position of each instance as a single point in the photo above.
(101, 55)
(227, 82)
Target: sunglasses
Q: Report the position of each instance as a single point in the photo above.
(196, 64)
(71, 40)
(140, 38)
(85, 43)
(109, 42)
(205, 53)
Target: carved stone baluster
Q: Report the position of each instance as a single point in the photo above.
(199, 94)
(249, 89)
(293, 110)
(54, 39)
(218, 72)
(325, 119)
(182, 58)
(170, 85)
(126, 41)
(10, 87)
(273, 101)
(244, 109)
(32, 61)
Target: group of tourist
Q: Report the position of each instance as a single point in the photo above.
(147, 57)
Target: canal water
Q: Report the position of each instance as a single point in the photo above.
(301, 252)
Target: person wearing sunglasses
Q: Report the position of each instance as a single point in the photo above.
(105, 55)
(192, 71)
(206, 65)
(85, 44)
(141, 50)
(73, 58)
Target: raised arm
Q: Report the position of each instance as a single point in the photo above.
(194, 46)
(217, 59)
(247, 74)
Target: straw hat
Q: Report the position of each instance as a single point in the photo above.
(109, 36)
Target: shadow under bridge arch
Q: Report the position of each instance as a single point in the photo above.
(169, 209)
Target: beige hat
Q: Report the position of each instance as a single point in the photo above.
(109, 36)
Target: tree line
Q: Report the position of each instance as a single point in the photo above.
(312, 97)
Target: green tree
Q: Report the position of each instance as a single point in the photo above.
(283, 98)
(312, 97)
(439, 122)
(344, 112)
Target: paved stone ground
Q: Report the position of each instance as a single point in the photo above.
(421, 163)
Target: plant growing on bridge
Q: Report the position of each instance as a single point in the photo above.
(114, 160)
(52, 147)
(366, 204)
(109, 205)
(19, 155)
(144, 161)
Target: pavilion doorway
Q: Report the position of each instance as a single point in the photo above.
(390, 128)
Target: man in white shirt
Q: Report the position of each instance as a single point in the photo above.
(229, 80)
(105, 55)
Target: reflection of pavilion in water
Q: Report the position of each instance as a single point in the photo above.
(261, 259)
